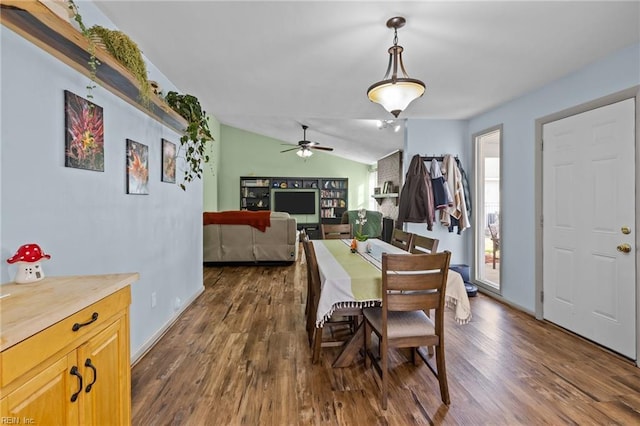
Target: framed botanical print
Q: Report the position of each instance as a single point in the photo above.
(137, 168)
(84, 133)
(168, 161)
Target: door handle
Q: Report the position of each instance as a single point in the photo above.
(624, 248)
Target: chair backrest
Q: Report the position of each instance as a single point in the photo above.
(336, 231)
(423, 245)
(313, 274)
(415, 282)
(401, 239)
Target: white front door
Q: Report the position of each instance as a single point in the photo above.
(588, 201)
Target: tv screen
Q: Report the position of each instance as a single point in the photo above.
(295, 202)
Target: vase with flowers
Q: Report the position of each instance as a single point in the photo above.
(360, 237)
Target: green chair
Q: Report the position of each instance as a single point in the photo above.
(373, 226)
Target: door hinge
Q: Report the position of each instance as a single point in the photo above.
(542, 297)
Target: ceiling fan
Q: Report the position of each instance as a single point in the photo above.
(304, 146)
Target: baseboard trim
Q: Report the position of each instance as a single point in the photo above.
(150, 343)
(501, 299)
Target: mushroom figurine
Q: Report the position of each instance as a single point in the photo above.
(28, 258)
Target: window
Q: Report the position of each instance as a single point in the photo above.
(487, 234)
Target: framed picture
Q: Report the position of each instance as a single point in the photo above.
(387, 187)
(137, 168)
(168, 161)
(376, 190)
(84, 133)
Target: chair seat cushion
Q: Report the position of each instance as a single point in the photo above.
(401, 324)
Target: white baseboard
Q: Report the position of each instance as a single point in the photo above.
(150, 343)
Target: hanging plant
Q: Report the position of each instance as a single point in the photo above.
(93, 61)
(196, 135)
(126, 51)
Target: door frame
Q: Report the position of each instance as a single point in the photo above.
(632, 92)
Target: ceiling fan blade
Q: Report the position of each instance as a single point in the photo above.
(324, 148)
(290, 149)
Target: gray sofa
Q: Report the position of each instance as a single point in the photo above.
(244, 243)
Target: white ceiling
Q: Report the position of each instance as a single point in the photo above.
(270, 66)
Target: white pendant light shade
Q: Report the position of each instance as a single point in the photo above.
(392, 92)
(396, 97)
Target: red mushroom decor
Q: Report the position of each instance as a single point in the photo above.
(28, 258)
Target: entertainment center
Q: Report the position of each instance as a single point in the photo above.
(311, 201)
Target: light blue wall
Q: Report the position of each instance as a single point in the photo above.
(438, 137)
(250, 154)
(83, 218)
(609, 75)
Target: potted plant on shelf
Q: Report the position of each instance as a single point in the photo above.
(360, 238)
(125, 51)
(196, 135)
(93, 61)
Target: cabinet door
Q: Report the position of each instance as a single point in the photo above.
(104, 360)
(46, 398)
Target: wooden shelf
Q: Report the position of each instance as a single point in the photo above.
(39, 25)
(380, 197)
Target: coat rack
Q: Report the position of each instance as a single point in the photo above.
(437, 158)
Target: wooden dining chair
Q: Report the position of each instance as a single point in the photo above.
(401, 239)
(311, 302)
(342, 324)
(423, 245)
(337, 231)
(303, 236)
(411, 285)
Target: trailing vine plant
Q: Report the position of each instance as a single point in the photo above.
(196, 135)
(93, 61)
(125, 51)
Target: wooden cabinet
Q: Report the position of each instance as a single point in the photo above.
(65, 351)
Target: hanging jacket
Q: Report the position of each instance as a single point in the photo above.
(441, 195)
(459, 208)
(416, 197)
(465, 186)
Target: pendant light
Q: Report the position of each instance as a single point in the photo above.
(395, 93)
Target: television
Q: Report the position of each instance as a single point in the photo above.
(302, 204)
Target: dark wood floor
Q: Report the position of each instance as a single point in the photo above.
(239, 356)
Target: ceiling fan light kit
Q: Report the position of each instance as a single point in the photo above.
(304, 153)
(304, 148)
(392, 92)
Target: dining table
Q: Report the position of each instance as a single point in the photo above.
(351, 280)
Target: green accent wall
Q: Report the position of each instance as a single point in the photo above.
(245, 153)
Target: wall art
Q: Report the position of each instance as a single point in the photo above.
(168, 161)
(137, 168)
(84, 133)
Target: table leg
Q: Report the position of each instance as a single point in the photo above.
(351, 348)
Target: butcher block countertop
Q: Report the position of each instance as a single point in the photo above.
(26, 309)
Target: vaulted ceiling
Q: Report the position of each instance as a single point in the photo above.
(270, 66)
